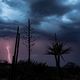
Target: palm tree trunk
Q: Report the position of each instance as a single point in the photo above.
(57, 58)
(58, 61)
(59, 68)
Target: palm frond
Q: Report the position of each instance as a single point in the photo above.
(66, 51)
(62, 58)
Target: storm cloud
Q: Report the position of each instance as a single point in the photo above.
(48, 7)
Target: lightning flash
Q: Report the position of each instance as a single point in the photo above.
(8, 53)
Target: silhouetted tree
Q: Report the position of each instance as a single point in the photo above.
(16, 50)
(29, 42)
(58, 49)
(15, 56)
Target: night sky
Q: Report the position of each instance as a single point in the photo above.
(47, 17)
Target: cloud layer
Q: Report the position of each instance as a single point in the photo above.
(13, 11)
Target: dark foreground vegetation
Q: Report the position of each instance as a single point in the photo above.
(38, 71)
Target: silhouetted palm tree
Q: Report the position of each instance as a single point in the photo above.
(58, 49)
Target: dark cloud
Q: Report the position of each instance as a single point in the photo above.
(8, 30)
(48, 7)
(41, 9)
(71, 33)
(45, 8)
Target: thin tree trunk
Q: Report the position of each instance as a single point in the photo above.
(15, 57)
(29, 40)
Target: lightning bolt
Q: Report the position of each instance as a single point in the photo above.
(8, 53)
